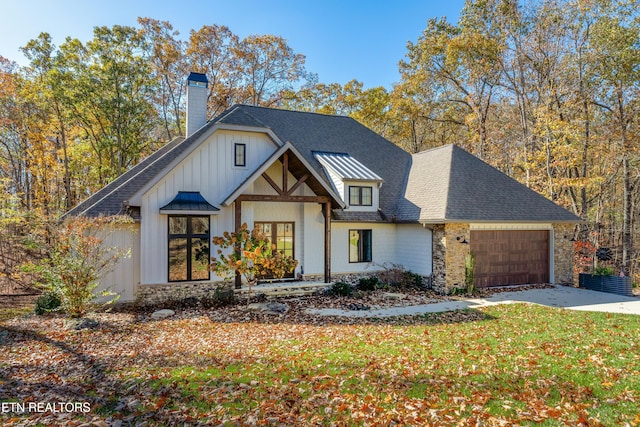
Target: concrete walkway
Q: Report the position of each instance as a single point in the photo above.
(559, 296)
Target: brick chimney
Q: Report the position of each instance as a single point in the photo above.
(197, 84)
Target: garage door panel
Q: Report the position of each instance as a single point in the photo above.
(510, 257)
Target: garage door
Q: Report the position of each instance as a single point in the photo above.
(510, 257)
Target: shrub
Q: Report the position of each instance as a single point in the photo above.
(76, 260)
(46, 302)
(340, 289)
(395, 277)
(603, 271)
(221, 296)
(368, 283)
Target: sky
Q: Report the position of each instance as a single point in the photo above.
(341, 39)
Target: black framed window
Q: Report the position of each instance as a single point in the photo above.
(189, 244)
(360, 196)
(360, 245)
(240, 154)
(280, 234)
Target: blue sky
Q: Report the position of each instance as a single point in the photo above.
(341, 39)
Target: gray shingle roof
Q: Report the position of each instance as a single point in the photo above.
(448, 184)
(312, 132)
(439, 185)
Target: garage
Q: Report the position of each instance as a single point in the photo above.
(510, 257)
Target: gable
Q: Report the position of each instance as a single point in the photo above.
(208, 169)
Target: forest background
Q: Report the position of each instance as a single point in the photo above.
(546, 91)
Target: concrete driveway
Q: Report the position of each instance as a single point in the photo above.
(567, 297)
(559, 296)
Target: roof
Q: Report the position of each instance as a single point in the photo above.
(312, 132)
(448, 184)
(346, 167)
(197, 77)
(296, 163)
(188, 201)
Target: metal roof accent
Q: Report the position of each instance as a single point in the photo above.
(188, 202)
(198, 77)
(346, 167)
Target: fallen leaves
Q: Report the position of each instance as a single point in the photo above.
(507, 365)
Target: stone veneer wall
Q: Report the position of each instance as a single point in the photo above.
(563, 254)
(449, 256)
(157, 294)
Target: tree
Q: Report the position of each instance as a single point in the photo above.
(267, 66)
(77, 258)
(616, 41)
(460, 62)
(112, 97)
(168, 68)
(253, 257)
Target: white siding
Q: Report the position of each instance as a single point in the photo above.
(313, 251)
(125, 277)
(208, 169)
(375, 196)
(383, 250)
(414, 245)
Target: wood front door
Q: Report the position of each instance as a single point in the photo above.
(282, 235)
(510, 257)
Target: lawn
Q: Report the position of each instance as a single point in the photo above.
(505, 365)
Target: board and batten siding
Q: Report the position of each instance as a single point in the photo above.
(210, 170)
(383, 247)
(414, 248)
(125, 276)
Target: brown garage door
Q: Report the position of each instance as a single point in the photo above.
(510, 257)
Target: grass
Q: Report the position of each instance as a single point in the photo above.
(523, 364)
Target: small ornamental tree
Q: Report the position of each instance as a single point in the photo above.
(76, 260)
(252, 256)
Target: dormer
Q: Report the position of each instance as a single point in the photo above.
(358, 185)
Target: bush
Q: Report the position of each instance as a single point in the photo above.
(397, 278)
(368, 283)
(46, 302)
(603, 271)
(76, 260)
(340, 289)
(221, 296)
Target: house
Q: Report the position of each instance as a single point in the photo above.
(339, 198)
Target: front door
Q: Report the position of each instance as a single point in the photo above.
(280, 234)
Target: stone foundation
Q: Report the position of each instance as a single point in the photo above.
(157, 294)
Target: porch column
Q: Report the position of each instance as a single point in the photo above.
(238, 223)
(327, 241)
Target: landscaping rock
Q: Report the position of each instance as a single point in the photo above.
(269, 307)
(80, 323)
(393, 295)
(162, 314)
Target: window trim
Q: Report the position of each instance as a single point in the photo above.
(359, 189)
(243, 164)
(361, 247)
(189, 236)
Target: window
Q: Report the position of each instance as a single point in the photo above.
(360, 196)
(280, 234)
(240, 154)
(360, 246)
(188, 248)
